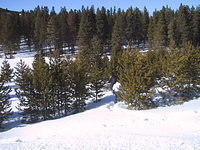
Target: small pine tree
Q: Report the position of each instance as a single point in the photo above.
(60, 84)
(137, 78)
(42, 82)
(183, 73)
(25, 92)
(4, 102)
(116, 54)
(78, 82)
(97, 75)
(6, 72)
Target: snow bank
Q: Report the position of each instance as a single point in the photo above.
(116, 86)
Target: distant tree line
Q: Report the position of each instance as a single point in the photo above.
(41, 29)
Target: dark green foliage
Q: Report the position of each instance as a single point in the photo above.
(98, 74)
(183, 72)
(137, 77)
(87, 28)
(42, 83)
(6, 72)
(34, 87)
(116, 54)
(79, 91)
(196, 27)
(184, 24)
(145, 24)
(10, 33)
(26, 92)
(102, 25)
(40, 30)
(54, 89)
(4, 102)
(118, 34)
(50, 90)
(53, 33)
(61, 84)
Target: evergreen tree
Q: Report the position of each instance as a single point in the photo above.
(73, 21)
(5, 107)
(129, 28)
(196, 27)
(98, 72)
(64, 30)
(183, 73)
(53, 33)
(79, 91)
(118, 34)
(184, 20)
(161, 37)
(26, 92)
(102, 25)
(42, 82)
(60, 92)
(10, 35)
(40, 29)
(87, 28)
(6, 72)
(145, 24)
(136, 78)
(138, 26)
(173, 34)
(116, 54)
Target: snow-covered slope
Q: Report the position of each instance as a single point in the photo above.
(109, 126)
(112, 126)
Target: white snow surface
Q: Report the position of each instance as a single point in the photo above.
(107, 126)
(116, 86)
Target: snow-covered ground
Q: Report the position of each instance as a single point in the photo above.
(107, 126)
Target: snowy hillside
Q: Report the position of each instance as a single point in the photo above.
(106, 125)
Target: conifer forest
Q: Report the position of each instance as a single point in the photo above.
(78, 51)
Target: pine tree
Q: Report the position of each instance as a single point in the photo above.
(129, 28)
(40, 30)
(173, 34)
(138, 26)
(136, 78)
(86, 31)
(196, 27)
(118, 34)
(10, 36)
(183, 73)
(26, 92)
(98, 72)
(42, 82)
(73, 20)
(53, 33)
(6, 72)
(184, 23)
(161, 37)
(102, 25)
(79, 91)
(145, 24)
(60, 92)
(64, 30)
(87, 28)
(5, 107)
(116, 54)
